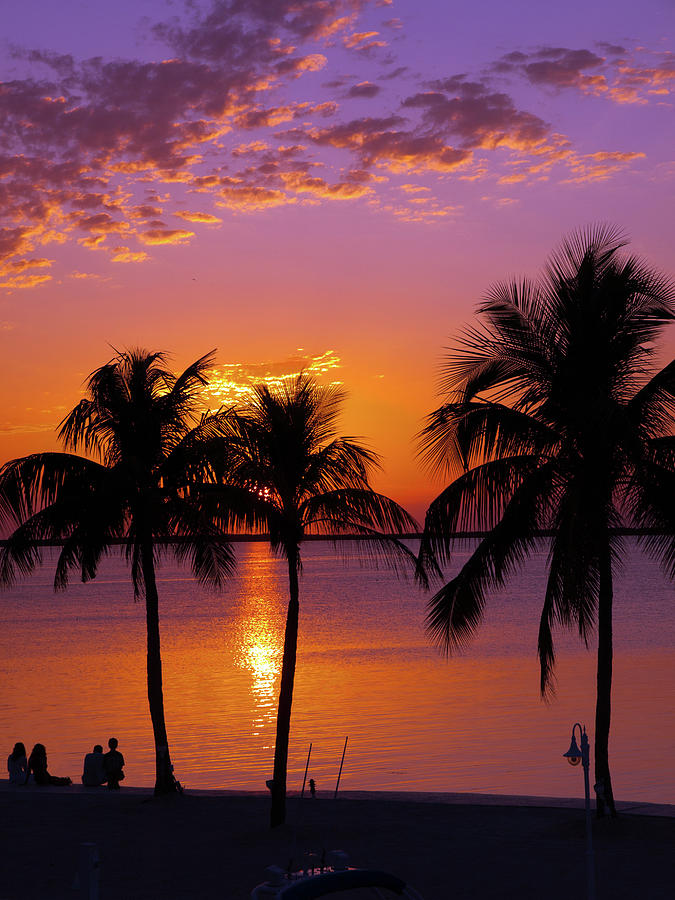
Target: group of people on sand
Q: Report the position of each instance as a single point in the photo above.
(99, 767)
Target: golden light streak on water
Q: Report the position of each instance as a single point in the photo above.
(259, 647)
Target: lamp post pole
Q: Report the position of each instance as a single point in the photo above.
(574, 756)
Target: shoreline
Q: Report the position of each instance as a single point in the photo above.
(456, 798)
(207, 844)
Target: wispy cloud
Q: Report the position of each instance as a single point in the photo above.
(234, 120)
(617, 73)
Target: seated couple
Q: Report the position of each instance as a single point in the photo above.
(31, 770)
(104, 768)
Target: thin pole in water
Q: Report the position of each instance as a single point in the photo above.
(304, 780)
(344, 750)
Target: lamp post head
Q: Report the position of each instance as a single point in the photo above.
(573, 755)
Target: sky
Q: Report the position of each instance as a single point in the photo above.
(322, 184)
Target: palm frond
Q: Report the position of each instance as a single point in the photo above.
(596, 243)
(546, 646)
(475, 501)
(21, 553)
(574, 573)
(456, 610)
(196, 455)
(341, 464)
(200, 540)
(649, 497)
(662, 451)
(82, 526)
(342, 510)
(33, 482)
(652, 408)
(459, 436)
(237, 508)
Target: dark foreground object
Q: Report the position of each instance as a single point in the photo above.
(191, 847)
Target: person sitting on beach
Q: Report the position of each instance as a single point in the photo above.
(37, 765)
(94, 771)
(113, 763)
(17, 765)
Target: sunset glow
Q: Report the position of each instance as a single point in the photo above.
(348, 177)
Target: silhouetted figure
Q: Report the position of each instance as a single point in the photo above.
(17, 765)
(37, 765)
(312, 787)
(113, 763)
(94, 770)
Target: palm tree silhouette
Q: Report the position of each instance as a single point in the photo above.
(142, 490)
(556, 420)
(290, 474)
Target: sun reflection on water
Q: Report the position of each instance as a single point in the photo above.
(259, 643)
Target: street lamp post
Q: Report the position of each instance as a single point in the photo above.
(575, 756)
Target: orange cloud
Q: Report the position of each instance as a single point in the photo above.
(145, 212)
(620, 75)
(512, 179)
(125, 255)
(376, 142)
(600, 166)
(204, 218)
(364, 89)
(303, 184)
(336, 25)
(312, 63)
(363, 41)
(17, 266)
(92, 243)
(21, 282)
(100, 223)
(156, 236)
(478, 116)
(251, 147)
(358, 37)
(252, 198)
(264, 118)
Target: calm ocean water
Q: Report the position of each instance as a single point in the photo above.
(73, 674)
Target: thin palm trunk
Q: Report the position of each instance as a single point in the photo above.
(603, 708)
(164, 781)
(278, 812)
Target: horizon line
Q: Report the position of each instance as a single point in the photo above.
(244, 537)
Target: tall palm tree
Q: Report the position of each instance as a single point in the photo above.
(556, 420)
(147, 450)
(291, 475)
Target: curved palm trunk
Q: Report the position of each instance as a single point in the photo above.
(278, 786)
(164, 780)
(603, 706)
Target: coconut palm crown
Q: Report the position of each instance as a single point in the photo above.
(290, 475)
(138, 487)
(557, 420)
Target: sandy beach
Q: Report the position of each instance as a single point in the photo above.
(217, 844)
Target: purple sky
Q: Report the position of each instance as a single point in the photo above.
(323, 184)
